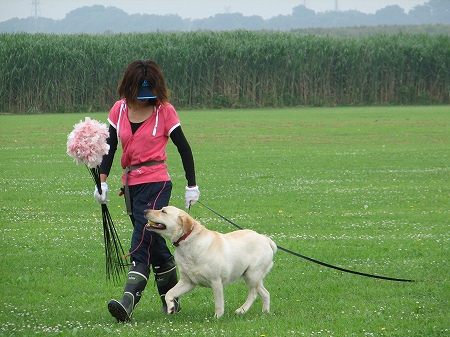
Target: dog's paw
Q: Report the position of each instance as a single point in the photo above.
(240, 311)
(218, 314)
(173, 307)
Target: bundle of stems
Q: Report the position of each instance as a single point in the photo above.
(114, 252)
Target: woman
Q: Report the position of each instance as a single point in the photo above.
(143, 121)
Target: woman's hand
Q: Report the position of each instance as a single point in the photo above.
(102, 198)
(191, 196)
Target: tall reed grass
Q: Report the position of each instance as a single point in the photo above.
(64, 73)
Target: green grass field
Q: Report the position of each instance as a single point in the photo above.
(364, 188)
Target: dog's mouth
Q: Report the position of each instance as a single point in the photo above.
(155, 225)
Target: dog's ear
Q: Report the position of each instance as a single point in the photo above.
(187, 222)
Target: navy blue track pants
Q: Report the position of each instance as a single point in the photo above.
(148, 247)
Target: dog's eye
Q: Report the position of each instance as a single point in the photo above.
(163, 211)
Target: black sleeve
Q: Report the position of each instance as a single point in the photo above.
(107, 161)
(184, 149)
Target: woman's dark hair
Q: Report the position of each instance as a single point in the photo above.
(135, 73)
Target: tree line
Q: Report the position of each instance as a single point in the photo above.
(98, 19)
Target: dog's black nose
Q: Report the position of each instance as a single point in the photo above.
(145, 211)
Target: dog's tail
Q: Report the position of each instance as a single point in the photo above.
(273, 245)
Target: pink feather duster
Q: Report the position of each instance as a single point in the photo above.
(87, 142)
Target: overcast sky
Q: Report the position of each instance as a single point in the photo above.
(193, 9)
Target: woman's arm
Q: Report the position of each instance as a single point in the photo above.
(107, 161)
(184, 149)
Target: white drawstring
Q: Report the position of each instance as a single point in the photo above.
(122, 106)
(156, 121)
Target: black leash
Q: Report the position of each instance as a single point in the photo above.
(314, 260)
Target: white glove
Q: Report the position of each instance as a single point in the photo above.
(101, 198)
(191, 196)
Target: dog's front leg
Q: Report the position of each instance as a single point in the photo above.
(217, 288)
(182, 287)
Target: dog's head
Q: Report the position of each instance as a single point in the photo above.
(170, 221)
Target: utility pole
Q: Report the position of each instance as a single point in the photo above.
(35, 12)
(336, 6)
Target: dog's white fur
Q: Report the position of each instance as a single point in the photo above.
(212, 259)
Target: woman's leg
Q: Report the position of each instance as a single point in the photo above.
(146, 248)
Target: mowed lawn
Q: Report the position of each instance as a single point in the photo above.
(363, 188)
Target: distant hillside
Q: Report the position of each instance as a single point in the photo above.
(433, 17)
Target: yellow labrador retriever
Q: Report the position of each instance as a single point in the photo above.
(212, 259)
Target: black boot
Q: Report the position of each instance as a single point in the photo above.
(137, 280)
(166, 278)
